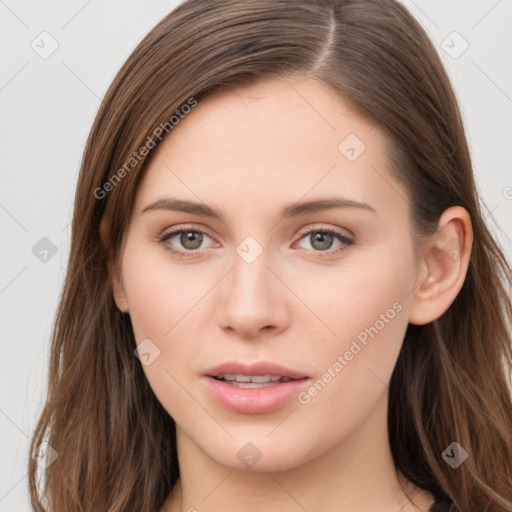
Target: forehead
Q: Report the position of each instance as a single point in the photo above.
(276, 139)
(270, 114)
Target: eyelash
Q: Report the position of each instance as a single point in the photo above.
(191, 254)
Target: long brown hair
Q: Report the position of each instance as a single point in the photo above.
(115, 444)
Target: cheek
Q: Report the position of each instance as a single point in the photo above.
(368, 312)
(160, 293)
(161, 303)
(358, 298)
(353, 368)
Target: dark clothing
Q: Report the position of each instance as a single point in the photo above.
(441, 504)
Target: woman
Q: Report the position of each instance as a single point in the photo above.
(281, 292)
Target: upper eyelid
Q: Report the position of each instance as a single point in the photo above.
(178, 229)
(337, 230)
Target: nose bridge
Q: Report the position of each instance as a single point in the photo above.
(251, 298)
(250, 279)
(250, 273)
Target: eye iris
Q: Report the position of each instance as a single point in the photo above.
(191, 236)
(325, 240)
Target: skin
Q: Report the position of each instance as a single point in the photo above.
(248, 152)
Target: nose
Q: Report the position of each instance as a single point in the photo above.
(252, 299)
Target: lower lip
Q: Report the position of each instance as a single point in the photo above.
(254, 400)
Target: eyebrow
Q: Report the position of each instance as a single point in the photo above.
(288, 211)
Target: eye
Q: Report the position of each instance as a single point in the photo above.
(321, 240)
(191, 241)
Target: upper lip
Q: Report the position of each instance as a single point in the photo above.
(259, 368)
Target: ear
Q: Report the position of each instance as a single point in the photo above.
(114, 269)
(443, 268)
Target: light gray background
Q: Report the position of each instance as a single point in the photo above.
(48, 105)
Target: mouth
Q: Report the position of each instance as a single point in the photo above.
(252, 381)
(253, 388)
(262, 372)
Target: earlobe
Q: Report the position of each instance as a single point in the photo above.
(113, 269)
(444, 266)
(119, 293)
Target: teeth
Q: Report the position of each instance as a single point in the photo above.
(251, 381)
(264, 378)
(251, 378)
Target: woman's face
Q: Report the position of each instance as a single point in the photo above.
(323, 290)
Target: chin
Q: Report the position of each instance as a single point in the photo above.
(259, 455)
